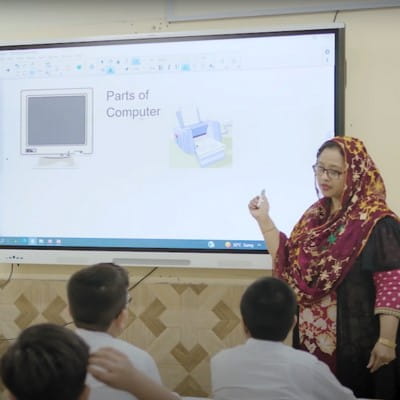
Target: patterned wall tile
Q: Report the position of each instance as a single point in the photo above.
(189, 359)
(181, 325)
(53, 312)
(27, 312)
(190, 387)
(228, 320)
(151, 317)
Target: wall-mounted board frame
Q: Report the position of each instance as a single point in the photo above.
(181, 10)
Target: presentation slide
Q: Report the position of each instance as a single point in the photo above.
(161, 144)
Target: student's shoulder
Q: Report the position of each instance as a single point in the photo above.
(301, 355)
(128, 348)
(227, 354)
(301, 360)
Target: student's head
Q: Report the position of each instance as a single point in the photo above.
(46, 362)
(268, 309)
(98, 296)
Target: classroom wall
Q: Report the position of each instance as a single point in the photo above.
(183, 316)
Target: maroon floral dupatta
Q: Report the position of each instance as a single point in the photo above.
(322, 247)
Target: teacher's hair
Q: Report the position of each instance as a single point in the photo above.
(329, 144)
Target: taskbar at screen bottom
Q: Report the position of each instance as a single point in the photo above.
(118, 243)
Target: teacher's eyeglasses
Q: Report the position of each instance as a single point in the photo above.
(330, 173)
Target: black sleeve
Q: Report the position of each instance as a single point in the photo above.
(382, 250)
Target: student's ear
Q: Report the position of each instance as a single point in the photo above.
(69, 311)
(85, 393)
(245, 329)
(294, 322)
(122, 318)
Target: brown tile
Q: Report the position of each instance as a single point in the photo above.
(28, 312)
(228, 320)
(189, 359)
(150, 317)
(190, 387)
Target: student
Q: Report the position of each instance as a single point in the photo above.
(46, 362)
(264, 367)
(115, 369)
(98, 298)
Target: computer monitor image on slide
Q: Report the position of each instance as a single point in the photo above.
(56, 122)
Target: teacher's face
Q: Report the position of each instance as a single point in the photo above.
(330, 173)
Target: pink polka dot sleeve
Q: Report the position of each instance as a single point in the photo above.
(387, 284)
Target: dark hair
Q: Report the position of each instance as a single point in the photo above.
(268, 307)
(329, 144)
(46, 362)
(97, 295)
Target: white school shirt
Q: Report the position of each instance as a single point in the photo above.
(264, 370)
(139, 358)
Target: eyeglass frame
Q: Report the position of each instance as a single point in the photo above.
(319, 170)
(126, 305)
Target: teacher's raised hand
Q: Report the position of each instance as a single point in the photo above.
(259, 209)
(259, 206)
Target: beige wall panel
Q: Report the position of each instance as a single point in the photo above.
(197, 321)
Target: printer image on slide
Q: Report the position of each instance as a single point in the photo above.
(202, 139)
